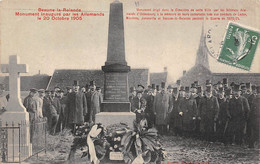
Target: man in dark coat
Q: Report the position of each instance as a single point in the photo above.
(77, 107)
(175, 118)
(238, 110)
(208, 112)
(198, 102)
(88, 98)
(149, 108)
(31, 107)
(95, 101)
(254, 117)
(162, 105)
(222, 117)
(138, 106)
(188, 108)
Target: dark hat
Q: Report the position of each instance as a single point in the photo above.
(75, 83)
(98, 88)
(208, 88)
(157, 87)
(193, 85)
(175, 90)
(169, 87)
(232, 84)
(208, 82)
(243, 87)
(248, 85)
(132, 89)
(41, 90)
(242, 83)
(182, 88)
(221, 89)
(178, 82)
(140, 85)
(163, 85)
(68, 87)
(228, 91)
(87, 86)
(47, 91)
(199, 89)
(153, 86)
(253, 87)
(219, 82)
(258, 89)
(149, 87)
(237, 87)
(187, 89)
(60, 91)
(196, 83)
(92, 83)
(225, 81)
(33, 90)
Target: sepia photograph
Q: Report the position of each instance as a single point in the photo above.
(129, 82)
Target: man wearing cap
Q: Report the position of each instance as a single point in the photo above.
(3, 99)
(255, 119)
(208, 112)
(238, 111)
(161, 108)
(188, 110)
(95, 103)
(139, 106)
(30, 105)
(77, 107)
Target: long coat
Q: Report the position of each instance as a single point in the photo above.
(189, 109)
(162, 105)
(96, 100)
(254, 118)
(208, 111)
(175, 118)
(149, 110)
(238, 111)
(77, 107)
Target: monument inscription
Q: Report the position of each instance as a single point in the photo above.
(116, 86)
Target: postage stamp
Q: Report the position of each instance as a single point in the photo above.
(239, 47)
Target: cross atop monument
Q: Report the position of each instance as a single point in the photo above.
(14, 69)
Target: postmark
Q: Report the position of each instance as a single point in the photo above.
(239, 46)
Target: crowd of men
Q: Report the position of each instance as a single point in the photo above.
(219, 112)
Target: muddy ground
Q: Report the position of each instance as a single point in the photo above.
(179, 150)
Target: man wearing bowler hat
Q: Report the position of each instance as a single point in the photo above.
(208, 112)
(238, 111)
(161, 109)
(77, 107)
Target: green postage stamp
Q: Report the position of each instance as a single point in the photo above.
(239, 47)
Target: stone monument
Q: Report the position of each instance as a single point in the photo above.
(15, 111)
(116, 106)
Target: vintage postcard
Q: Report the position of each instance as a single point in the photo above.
(137, 81)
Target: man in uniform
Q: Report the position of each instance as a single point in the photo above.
(77, 107)
(208, 113)
(238, 110)
(161, 109)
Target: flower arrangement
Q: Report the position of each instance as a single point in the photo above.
(138, 145)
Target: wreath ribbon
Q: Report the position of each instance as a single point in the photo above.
(94, 132)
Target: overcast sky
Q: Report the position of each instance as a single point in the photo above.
(49, 45)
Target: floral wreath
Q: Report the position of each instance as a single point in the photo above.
(138, 145)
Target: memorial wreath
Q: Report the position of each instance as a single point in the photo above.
(118, 142)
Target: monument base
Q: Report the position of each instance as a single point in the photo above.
(109, 118)
(18, 133)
